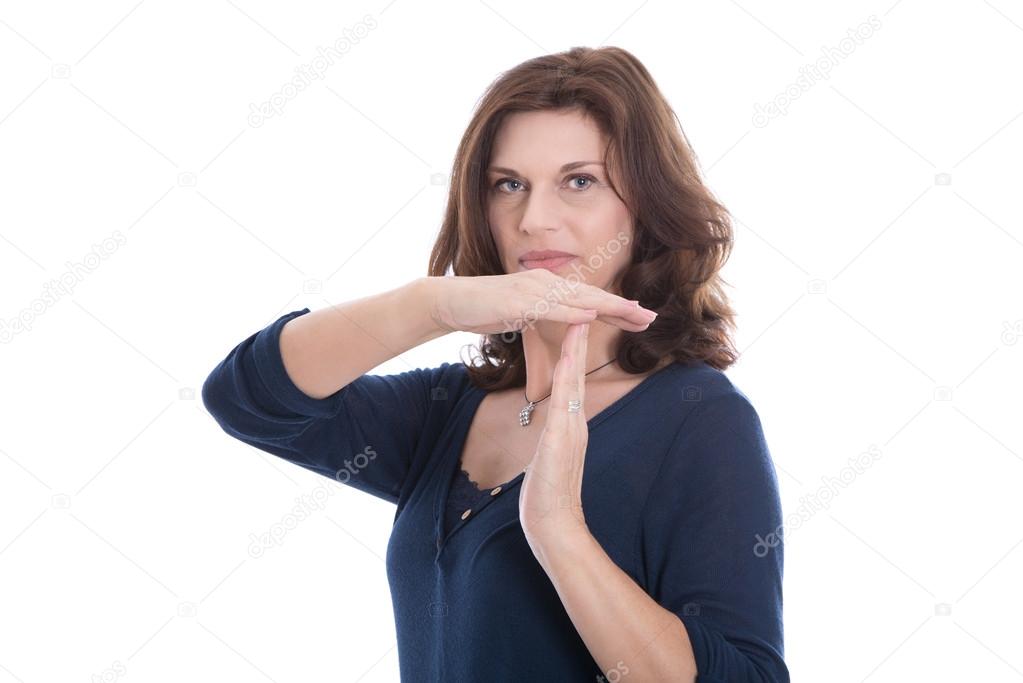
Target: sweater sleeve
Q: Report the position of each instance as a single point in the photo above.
(710, 542)
(363, 435)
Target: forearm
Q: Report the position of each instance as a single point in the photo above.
(624, 629)
(326, 349)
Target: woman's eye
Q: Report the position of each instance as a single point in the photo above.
(501, 182)
(590, 180)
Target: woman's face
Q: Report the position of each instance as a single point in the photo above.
(534, 204)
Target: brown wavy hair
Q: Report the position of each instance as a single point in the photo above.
(683, 235)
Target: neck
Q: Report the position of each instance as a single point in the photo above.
(541, 345)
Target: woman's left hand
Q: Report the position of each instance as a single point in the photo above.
(550, 500)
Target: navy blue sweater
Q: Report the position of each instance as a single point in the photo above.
(679, 489)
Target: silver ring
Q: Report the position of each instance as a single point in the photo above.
(574, 405)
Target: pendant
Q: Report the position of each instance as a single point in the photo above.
(525, 415)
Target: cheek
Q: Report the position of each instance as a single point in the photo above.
(616, 236)
(612, 223)
(621, 226)
(497, 233)
(494, 221)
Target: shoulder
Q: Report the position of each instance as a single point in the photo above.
(699, 388)
(450, 375)
(716, 419)
(718, 463)
(447, 383)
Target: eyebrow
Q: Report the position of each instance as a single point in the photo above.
(567, 167)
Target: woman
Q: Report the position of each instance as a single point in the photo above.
(521, 546)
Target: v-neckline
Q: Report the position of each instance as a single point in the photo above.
(475, 398)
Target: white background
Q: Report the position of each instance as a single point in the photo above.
(879, 238)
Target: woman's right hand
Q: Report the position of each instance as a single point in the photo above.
(492, 304)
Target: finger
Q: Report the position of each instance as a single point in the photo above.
(623, 323)
(636, 315)
(575, 367)
(591, 296)
(580, 382)
(612, 305)
(582, 295)
(569, 314)
(565, 376)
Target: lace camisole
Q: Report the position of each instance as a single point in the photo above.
(463, 495)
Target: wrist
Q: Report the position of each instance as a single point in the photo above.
(428, 293)
(568, 544)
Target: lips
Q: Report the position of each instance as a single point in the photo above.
(549, 263)
(543, 255)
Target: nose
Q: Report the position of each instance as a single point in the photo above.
(541, 212)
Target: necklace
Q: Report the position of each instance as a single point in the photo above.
(525, 415)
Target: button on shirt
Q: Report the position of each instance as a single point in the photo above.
(679, 489)
(465, 497)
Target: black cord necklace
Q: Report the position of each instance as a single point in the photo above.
(525, 415)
